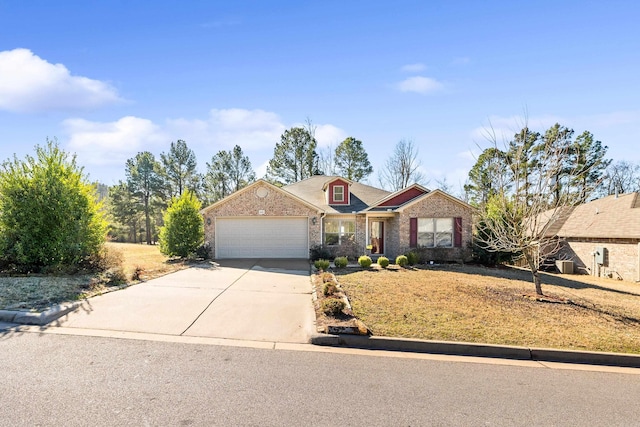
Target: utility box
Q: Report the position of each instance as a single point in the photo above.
(565, 266)
(600, 255)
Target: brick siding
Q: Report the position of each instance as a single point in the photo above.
(621, 259)
(248, 203)
(438, 206)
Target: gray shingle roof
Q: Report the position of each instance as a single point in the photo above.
(610, 217)
(310, 189)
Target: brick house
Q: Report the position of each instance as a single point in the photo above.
(265, 221)
(602, 237)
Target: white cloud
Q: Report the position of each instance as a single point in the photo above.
(112, 143)
(421, 85)
(104, 147)
(224, 128)
(328, 135)
(414, 68)
(29, 83)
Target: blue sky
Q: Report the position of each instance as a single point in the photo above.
(109, 79)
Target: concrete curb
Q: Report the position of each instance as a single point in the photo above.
(39, 319)
(481, 350)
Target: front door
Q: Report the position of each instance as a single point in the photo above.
(377, 237)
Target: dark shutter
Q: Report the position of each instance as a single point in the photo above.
(413, 232)
(457, 232)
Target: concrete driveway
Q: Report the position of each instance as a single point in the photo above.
(259, 300)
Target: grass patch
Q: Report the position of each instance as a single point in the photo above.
(475, 304)
(146, 260)
(38, 292)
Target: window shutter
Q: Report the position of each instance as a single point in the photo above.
(457, 232)
(413, 232)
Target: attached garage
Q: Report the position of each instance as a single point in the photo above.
(262, 237)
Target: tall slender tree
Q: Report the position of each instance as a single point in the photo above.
(294, 157)
(180, 168)
(352, 160)
(483, 179)
(124, 209)
(144, 181)
(588, 165)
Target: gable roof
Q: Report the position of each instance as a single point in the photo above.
(613, 217)
(261, 182)
(310, 189)
(335, 178)
(435, 193)
(400, 197)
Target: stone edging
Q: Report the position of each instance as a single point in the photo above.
(480, 350)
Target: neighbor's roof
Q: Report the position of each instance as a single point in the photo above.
(310, 189)
(614, 217)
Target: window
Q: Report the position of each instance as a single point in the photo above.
(435, 232)
(338, 193)
(339, 231)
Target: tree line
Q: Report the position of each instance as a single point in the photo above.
(50, 215)
(524, 185)
(136, 205)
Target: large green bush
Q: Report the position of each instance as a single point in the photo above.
(49, 214)
(183, 230)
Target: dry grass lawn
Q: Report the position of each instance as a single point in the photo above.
(476, 304)
(147, 259)
(38, 292)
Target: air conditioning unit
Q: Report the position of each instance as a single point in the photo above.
(565, 266)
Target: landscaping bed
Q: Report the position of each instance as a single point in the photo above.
(339, 322)
(494, 306)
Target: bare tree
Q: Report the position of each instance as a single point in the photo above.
(620, 177)
(521, 215)
(326, 160)
(402, 168)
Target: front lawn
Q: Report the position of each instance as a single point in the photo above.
(38, 292)
(476, 304)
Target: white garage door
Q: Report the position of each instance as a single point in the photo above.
(262, 237)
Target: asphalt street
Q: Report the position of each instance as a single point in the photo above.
(74, 380)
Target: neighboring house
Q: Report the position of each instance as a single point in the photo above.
(602, 237)
(265, 221)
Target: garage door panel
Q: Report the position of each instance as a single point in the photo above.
(262, 237)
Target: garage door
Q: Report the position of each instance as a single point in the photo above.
(260, 237)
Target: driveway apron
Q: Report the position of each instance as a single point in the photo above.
(260, 300)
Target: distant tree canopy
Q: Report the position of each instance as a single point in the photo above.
(578, 173)
(229, 171)
(294, 157)
(620, 177)
(49, 214)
